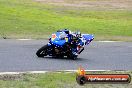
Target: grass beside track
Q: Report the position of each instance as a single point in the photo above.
(31, 19)
(54, 80)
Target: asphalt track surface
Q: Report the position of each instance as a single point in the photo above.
(19, 55)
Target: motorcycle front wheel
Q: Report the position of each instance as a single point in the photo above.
(73, 57)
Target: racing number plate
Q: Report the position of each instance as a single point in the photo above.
(53, 37)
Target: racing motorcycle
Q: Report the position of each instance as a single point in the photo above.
(65, 44)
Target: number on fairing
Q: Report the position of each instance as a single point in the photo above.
(53, 37)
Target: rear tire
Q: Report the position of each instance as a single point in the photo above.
(42, 51)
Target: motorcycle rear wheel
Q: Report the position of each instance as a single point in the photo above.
(42, 51)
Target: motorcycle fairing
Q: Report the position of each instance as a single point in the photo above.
(58, 39)
(87, 38)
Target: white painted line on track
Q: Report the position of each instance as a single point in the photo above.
(85, 70)
(30, 72)
(37, 72)
(24, 39)
(10, 73)
(109, 41)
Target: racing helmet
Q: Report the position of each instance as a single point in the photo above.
(78, 34)
(74, 37)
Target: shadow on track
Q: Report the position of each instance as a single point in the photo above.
(65, 58)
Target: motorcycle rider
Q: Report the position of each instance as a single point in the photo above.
(74, 40)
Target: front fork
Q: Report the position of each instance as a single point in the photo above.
(80, 49)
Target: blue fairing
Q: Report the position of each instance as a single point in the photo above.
(57, 40)
(88, 38)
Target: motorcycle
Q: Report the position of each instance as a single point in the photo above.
(64, 44)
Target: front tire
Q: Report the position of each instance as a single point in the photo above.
(42, 51)
(73, 57)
